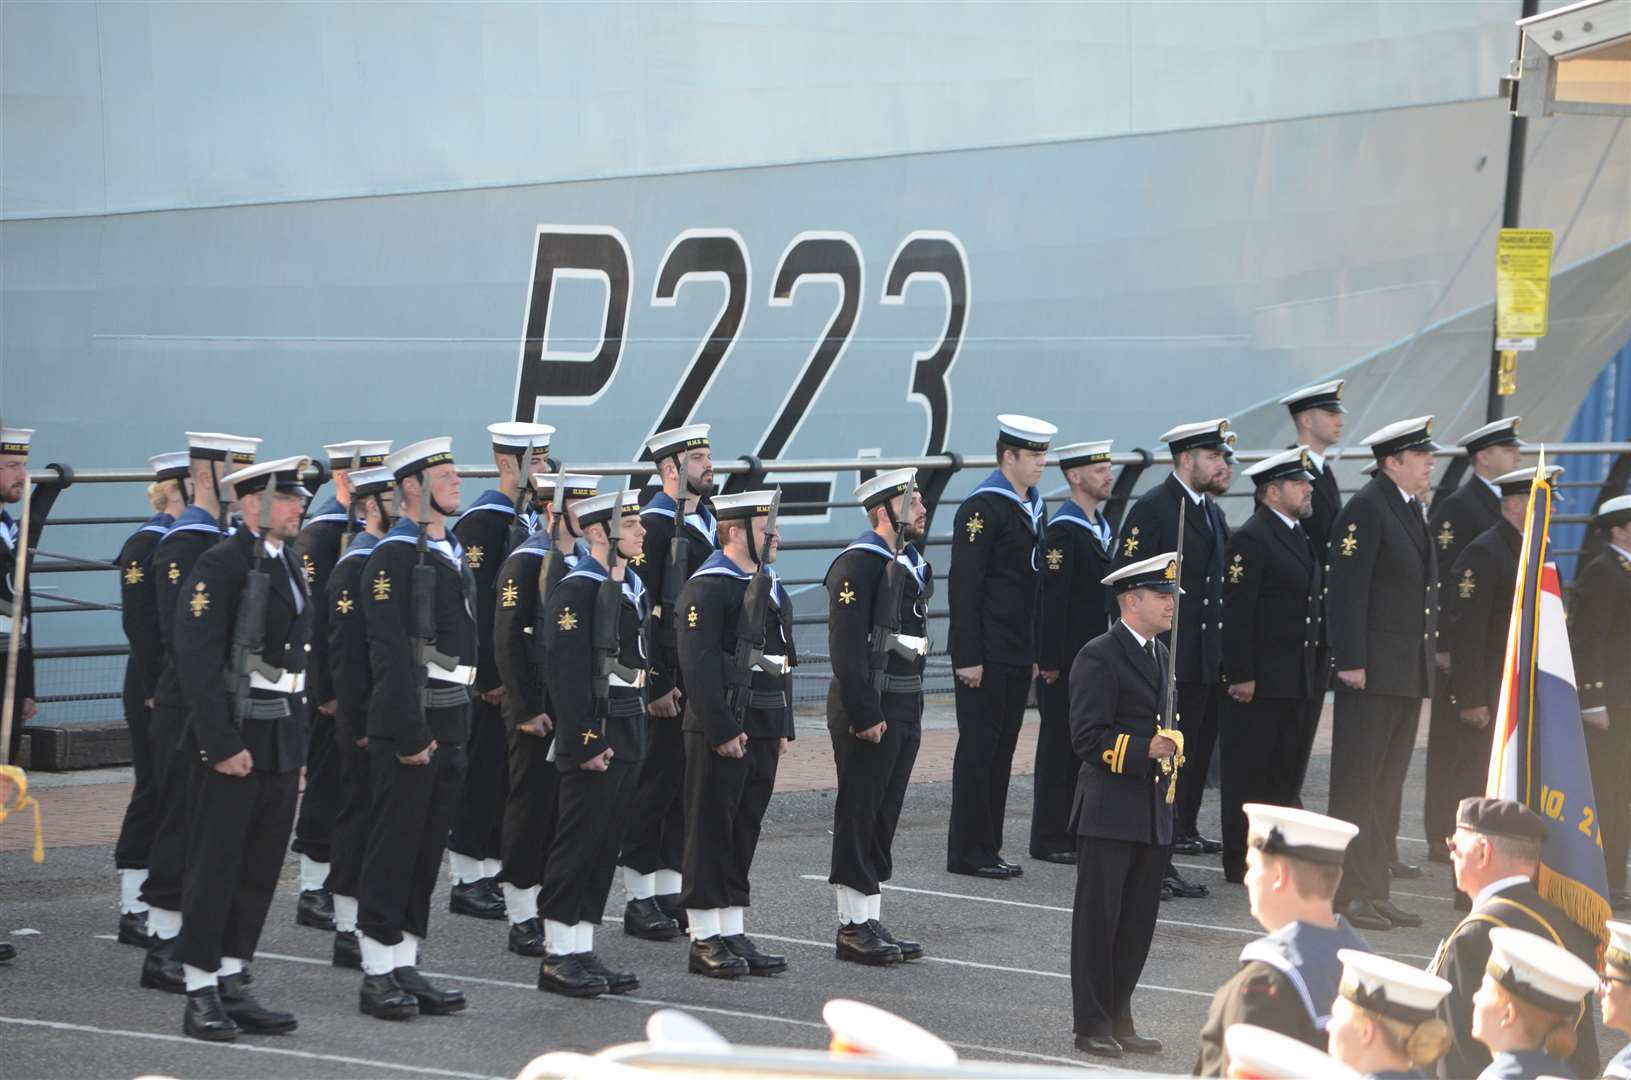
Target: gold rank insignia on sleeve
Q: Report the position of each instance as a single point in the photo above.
(1446, 537)
(1236, 571)
(1131, 545)
(1350, 543)
(382, 586)
(344, 604)
(309, 566)
(1116, 756)
(1467, 585)
(199, 601)
(846, 595)
(568, 621)
(133, 574)
(975, 526)
(691, 617)
(1056, 558)
(589, 737)
(508, 594)
(475, 553)
(639, 558)
(174, 573)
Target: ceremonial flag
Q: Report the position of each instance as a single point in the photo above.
(1539, 752)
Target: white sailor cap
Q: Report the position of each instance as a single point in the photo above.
(515, 436)
(15, 441)
(1083, 453)
(1389, 988)
(1327, 396)
(357, 454)
(1616, 511)
(677, 441)
(1520, 481)
(371, 481)
(883, 487)
(172, 465)
(1532, 969)
(1618, 953)
(863, 1030)
(1293, 464)
(670, 1029)
(1370, 467)
(215, 446)
(744, 505)
(598, 508)
(1256, 1053)
(1158, 573)
(573, 486)
(1025, 432)
(1413, 434)
(1206, 435)
(416, 457)
(1298, 834)
(1502, 432)
(282, 475)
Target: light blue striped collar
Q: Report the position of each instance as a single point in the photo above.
(909, 557)
(1033, 503)
(720, 565)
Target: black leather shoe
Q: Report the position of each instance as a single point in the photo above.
(1014, 869)
(206, 1018)
(994, 872)
(474, 899)
(1188, 845)
(432, 1002)
(1363, 914)
(347, 950)
(1100, 1045)
(1067, 858)
(909, 950)
(8, 952)
(713, 958)
(495, 890)
(617, 982)
(133, 929)
(1403, 871)
(1208, 847)
(527, 938)
(316, 909)
(383, 999)
(251, 1016)
(670, 905)
(1396, 916)
(645, 919)
(759, 963)
(161, 970)
(859, 943)
(565, 975)
(1186, 890)
(1138, 1044)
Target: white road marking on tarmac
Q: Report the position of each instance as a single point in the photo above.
(247, 1048)
(1219, 870)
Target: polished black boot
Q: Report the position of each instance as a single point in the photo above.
(432, 1002)
(713, 958)
(566, 975)
(858, 943)
(475, 899)
(206, 1018)
(161, 970)
(617, 982)
(383, 999)
(315, 909)
(527, 938)
(8, 952)
(909, 950)
(347, 950)
(250, 1015)
(759, 963)
(133, 929)
(646, 919)
(675, 910)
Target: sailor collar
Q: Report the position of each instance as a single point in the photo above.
(194, 519)
(361, 544)
(701, 519)
(1033, 504)
(720, 565)
(407, 532)
(492, 499)
(909, 557)
(1075, 515)
(634, 590)
(8, 531)
(327, 510)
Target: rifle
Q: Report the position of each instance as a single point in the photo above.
(518, 532)
(750, 624)
(422, 619)
(1169, 709)
(249, 628)
(551, 568)
(886, 637)
(608, 644)
(679, 552)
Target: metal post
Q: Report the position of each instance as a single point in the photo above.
(1511, 212)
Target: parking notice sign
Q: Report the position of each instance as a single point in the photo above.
(1523, 274)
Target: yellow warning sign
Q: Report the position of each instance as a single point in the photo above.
(1523, 275)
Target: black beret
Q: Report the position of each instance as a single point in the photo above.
(1500, 817)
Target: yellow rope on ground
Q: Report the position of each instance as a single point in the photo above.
(25, 801)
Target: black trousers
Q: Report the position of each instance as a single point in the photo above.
(1056, 771)
(352, 823)
(142, 812)
(655, 837)
(1198, 720)
(412, 805)
(235, 844)
(320, 802)
(1261, 742)
(478, 816)
(1312, 708)
(1457, 763)
(1118, 889)
(588, 832)
(1371, 739)
(725, 802)
(988, 722)
(872, 781)
(172, 767)
(529, 810)
(1610, 753)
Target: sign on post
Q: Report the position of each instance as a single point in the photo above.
(1523, 274)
